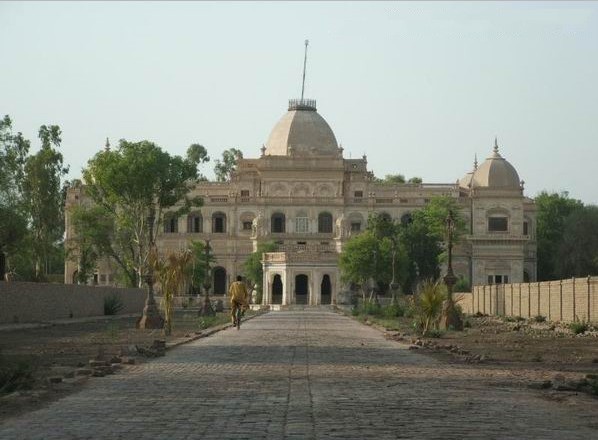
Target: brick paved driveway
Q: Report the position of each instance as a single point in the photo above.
(301, 375)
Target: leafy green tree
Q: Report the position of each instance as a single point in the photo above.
(552, 212)
(198, 154)
(225, 167)
(252, 268)
(197, 268)
(578, 248)
(43, 197)
(393, 178)
(415, 180)
(135, 185)
(13, 219)
(425, 236)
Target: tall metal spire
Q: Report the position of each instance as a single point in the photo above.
(107, 146)
(304, 64)
(495, 144)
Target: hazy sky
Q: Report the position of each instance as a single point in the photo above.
(419, 87)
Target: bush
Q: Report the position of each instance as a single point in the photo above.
(370, 308)
(112, 304)
(428, 306)
(539, 318)
(15, 375)
(462, 285)
(579, 327)
(435, 333)
(393, 311)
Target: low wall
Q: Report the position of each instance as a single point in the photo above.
(34, 302)
(562, 300)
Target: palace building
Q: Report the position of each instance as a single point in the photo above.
(303, 194)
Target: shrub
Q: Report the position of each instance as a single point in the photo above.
(393, 311)
(462, 285)
(112, 304)
(467, 324)
(435, 333)
(539, 318)
(579, 327)
(370, 308)
(428, 305)
(15, 375)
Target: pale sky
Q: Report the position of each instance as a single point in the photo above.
(419, 87)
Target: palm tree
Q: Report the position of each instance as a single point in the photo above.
(172, 272)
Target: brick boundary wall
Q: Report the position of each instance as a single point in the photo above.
(22, 302)
(562, 300)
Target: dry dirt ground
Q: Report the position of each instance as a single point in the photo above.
(524, 352)
(58, 350)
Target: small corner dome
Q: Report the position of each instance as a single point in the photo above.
(465, 181)
(496, 172)
(302, 132)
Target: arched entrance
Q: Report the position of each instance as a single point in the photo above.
(326, 290)
(277, 290)
(219, 281)
(301, 289)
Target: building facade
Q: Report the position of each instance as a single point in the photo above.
(304, 195)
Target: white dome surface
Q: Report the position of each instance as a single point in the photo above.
(302, 132)
(495, 172)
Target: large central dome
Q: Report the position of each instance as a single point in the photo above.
(302, 132)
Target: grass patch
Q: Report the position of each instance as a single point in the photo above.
(579, 327)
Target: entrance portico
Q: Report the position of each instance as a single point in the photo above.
(300, 275)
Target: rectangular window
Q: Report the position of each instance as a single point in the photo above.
(490, 279)
(498, 224)
(525, 229)
(301, 225)
(244, 193)
(358, 194)
(247, 226)
(355, 226)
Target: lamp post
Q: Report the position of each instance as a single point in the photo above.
(151, 318)
(450, 317)
(393, 283)
(206, 309)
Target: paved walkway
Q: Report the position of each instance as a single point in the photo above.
(300, 375)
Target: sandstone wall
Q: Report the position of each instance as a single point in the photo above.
(33, 302)
(563, 300)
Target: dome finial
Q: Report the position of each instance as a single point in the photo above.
(495, 144)
(475, 161)
(304, 64)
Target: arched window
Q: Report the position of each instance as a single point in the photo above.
(219, 223)
(406, 219)
(325, 223)
(278, 223)
(194, 223)
(385, 216)
(171, 224)
(219, 282)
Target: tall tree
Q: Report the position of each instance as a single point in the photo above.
(134, 186)
(225, 167)
(552, 211)
(13, 220)
(43, 196)
(578, 247)
(198, 154)
(424, 238)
